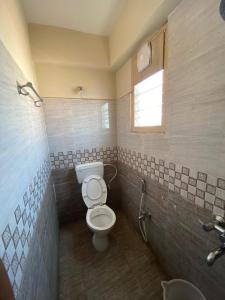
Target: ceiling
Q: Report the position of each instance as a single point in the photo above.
(91, 16)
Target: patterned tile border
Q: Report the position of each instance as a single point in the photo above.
(197, 187)
(69, 159)
(15, 238)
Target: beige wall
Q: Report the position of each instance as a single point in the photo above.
(65, 59)
(61, 81)
(52, 45)
(195, 129)
(123, 80)
(68, 47)
(14, 35)
(74, 52)
(138, 19)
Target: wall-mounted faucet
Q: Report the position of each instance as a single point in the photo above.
(219, 226)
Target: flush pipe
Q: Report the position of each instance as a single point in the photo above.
(113, 177)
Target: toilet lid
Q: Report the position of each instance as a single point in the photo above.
(94, 191)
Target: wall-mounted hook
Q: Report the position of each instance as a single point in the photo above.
(79, 90)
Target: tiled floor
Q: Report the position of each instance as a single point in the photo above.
(127, 270)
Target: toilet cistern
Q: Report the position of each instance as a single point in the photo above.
(100, 218)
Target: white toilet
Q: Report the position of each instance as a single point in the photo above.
(100, 218)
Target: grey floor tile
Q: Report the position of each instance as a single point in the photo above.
(127, 270)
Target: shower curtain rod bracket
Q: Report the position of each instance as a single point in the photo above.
(23, 92)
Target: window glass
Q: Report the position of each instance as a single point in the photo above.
(148, 101)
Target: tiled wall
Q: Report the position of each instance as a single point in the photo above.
(194, 139)
(174, 232)
(70, 204)
(74, 124)
(177, 199)
(198, 188)
(183, 167)
(25, 170)
(79, 131)
(195, 99)
(16, 238)
(70, 159)
(40, 276)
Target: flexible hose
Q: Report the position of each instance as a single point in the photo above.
(141, 220)
(142, 214)
(114, 176)
(141, 217)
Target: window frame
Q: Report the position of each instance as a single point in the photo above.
(162, 127)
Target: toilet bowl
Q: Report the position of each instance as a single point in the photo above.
(100, 218)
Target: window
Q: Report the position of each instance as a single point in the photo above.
(105, 116)
(148, 101)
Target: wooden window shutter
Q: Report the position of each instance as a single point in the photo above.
(157, 57)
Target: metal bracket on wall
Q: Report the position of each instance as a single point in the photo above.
(23, 91)
(217, 225)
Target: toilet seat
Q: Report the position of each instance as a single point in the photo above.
(94, 191)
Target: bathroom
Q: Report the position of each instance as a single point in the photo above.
(112, 149)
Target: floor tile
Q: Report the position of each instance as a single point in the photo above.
(126, 270)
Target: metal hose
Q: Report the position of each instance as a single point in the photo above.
(141, 220)
(114, 176)
(142, 214)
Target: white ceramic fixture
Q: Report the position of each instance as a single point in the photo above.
(100, 218)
